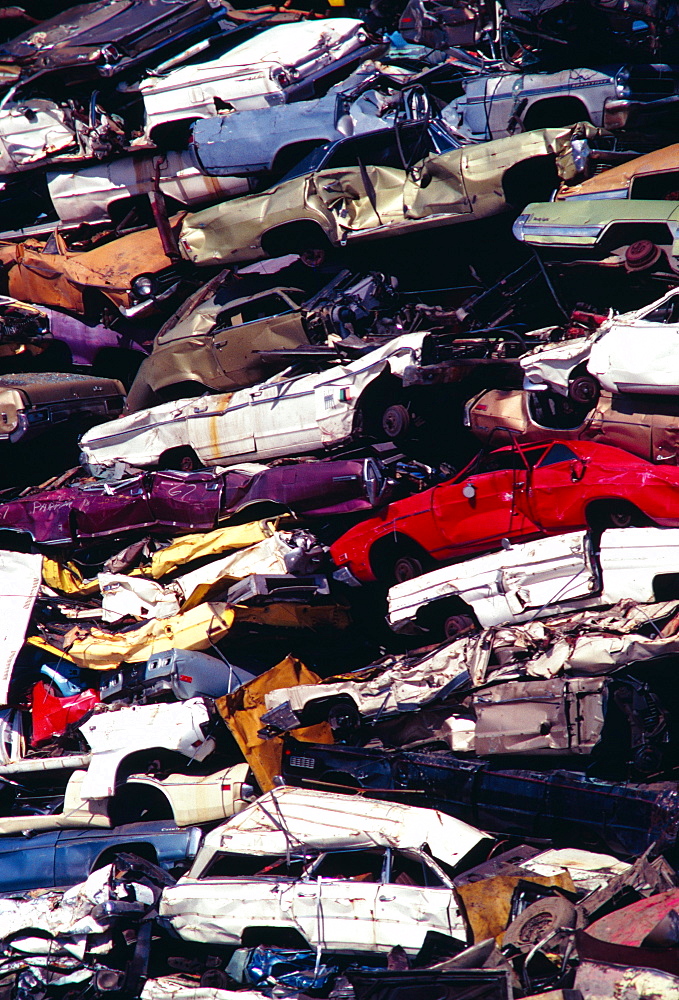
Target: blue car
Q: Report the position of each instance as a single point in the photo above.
(60, 858)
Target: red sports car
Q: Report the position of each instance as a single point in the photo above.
(517, 493)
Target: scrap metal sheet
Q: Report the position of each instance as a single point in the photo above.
(20, 578)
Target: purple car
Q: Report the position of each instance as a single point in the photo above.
(193, 501)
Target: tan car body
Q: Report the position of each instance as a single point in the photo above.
(500, 416)
(31, 403)
(621, 181)
(216, 345)
(198, 798)
(63, 277)
(368, 202)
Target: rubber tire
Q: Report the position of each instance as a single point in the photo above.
(395, 421)
(343, 717)
(407, 567)
(617, 515)
(553, 913)
(455, 625)
(584, 389)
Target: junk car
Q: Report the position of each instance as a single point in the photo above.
(365, 187)
(373, 889)
(516, 493)
(647, 427)
(176, 502)
(557, 805)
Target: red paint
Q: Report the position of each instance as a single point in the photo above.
(549, 491)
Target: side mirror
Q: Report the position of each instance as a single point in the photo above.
(578, 467)
(469, 491)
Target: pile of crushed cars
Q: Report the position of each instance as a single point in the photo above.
(339, 609)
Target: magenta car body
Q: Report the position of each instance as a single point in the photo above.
(176, 502)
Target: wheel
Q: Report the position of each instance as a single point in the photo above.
(182, 459)
(343, 717)
(407, 568)
(216, 979)
(584, 389)
(455, 625)
(615, 514)
(395, 421)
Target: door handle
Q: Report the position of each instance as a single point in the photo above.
(386, 899)
(306, 895)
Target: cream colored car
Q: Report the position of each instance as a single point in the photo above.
(376, 185)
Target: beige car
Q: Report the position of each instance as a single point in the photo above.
(189, 798)
(359, 188)
(649, 429)
(212, 344)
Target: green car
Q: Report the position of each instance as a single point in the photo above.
(601, 228)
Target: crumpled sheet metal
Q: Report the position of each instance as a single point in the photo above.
(540, 716)
(177, 988)
(20, 577)
(592, 643)
(206, 544)
(601, 981)
(400, 685)
(112, 735)
(144, 599)
(68, 579)
(287, 816)
(65, 918)
(266, 556)
(242, 713)
(487, 904)
(198, 628)
(59, 279)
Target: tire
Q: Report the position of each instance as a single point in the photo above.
(407, 567)
(396, 421)
(181, 459)
(584, 389)
(545, 918)
(344, 718)
(455, 625)
(615, 514)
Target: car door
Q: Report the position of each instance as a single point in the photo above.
(111, 508)
(642, 355)
(334, 904)
(412, 900)
(268, 321)
(476, 512)
(28, 862)
(186, 500)
(558, 483)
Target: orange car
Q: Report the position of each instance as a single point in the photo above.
(132, 273)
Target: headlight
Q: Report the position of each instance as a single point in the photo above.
(622, 88)
(143, 286)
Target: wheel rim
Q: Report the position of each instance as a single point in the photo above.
(407, 568)
(395, 421)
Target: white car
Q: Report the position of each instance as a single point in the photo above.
(339, 873)
(498, 104)
(260, 72)
(280, 417)
(286, 62)
(637, 351)
(545, 577)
